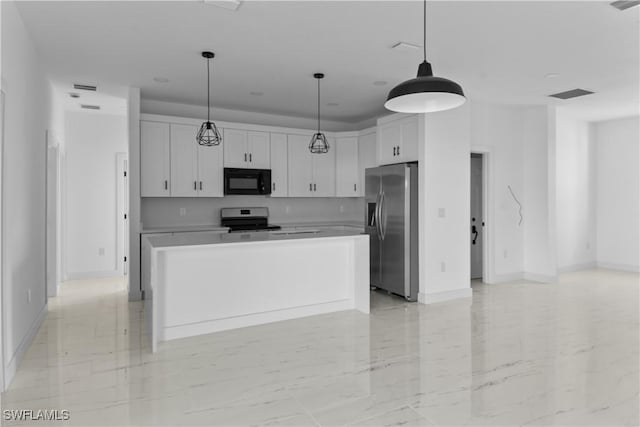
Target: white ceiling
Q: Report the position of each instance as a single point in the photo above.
(498, 51)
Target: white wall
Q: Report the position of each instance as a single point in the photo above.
(618, 193)
(444, 184)
(539, 194)
(27, 115)
(92, 141)
(575, 192)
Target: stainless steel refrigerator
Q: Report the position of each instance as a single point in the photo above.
(392, 224)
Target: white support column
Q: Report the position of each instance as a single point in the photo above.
(134, 194)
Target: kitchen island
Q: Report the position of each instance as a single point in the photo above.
(201, 283)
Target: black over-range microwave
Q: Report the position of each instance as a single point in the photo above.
(247, 181)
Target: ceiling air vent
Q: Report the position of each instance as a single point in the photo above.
(573, 93)
(625, 4)
(84, 87)
(90, 107)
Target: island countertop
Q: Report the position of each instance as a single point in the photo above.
(199, 239)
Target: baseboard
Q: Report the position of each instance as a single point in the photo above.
(432, 298)
(12, 366)
(577, 267)
(542, 278)
(621, 267)
(84, 275)
(504, 278)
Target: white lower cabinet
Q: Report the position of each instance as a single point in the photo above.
(279, 165)
(310, 175)
(347, 173)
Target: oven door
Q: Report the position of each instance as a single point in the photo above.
(247, 181)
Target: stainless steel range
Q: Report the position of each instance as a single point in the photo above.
(246, 219)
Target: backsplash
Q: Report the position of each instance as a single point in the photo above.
(166, 212)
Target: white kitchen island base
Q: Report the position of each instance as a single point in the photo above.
(215, 283)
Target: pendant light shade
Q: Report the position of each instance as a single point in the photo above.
(319, 143)
(208, 135)
(425, 93)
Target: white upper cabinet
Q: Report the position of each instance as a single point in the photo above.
(246, 149)
(210, 171)
(366, 157)
(184, 161)
(155, 159)
(398, 141)
(310, 175)
(347, 171)
(279, 165)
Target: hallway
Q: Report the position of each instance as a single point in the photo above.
(519, 353)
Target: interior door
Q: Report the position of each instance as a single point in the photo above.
(372, 194)
(211, 170)
(258, 150)
(476, 219)
(300, 166)
(184, 161)
(393, 224)
(324, 172)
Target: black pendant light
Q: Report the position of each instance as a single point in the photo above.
(319, 143)
(208, 135)
(425, 93)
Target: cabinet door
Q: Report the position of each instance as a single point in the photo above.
(235, 148)
(409, 150)
(347, 172)
(184, 164)
(300, 166)
(324, 172)
(258, 149)
(389, 139)
(366, 157)
(279, 182)
(155, 163)
(210, 170)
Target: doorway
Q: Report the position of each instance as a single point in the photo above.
(476, 217)
(123, 213)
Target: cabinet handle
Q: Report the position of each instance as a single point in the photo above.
(310, 187)
(274, 186)
(200, 185)
(398, 150)
(250, 157)
(354, 187)
(195, 185)
(394, 151)
(166, 184)
(245, 157)
(314, 187)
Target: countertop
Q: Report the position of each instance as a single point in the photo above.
(214, 228)
(198, 239)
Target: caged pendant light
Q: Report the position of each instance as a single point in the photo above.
(319, 143)
(208, 135)
(425, 93)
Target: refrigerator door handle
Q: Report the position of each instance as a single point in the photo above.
(377, 216)
(383, 216)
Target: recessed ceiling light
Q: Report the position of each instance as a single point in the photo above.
(74, 95)
(379, 83)
(161, 80)
(256, 93)
(332, 104)
(551, 75)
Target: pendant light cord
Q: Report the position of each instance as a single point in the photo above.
(318, 105)
(424, 34)
(208, 92)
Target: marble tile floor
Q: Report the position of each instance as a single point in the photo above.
(515, 354)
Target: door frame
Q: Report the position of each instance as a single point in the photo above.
(488, 253)
(122, 213)
(3, 95)
(53, 196)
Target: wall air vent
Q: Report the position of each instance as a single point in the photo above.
(84, 87)
(90, 107)
(625, 4)
(573, 93)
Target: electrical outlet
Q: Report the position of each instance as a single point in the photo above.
(443, 267)
(442, 212)
(101, 251)
(506, 254)
(183, 211)
(29, 295)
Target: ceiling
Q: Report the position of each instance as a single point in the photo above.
(498, 51)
